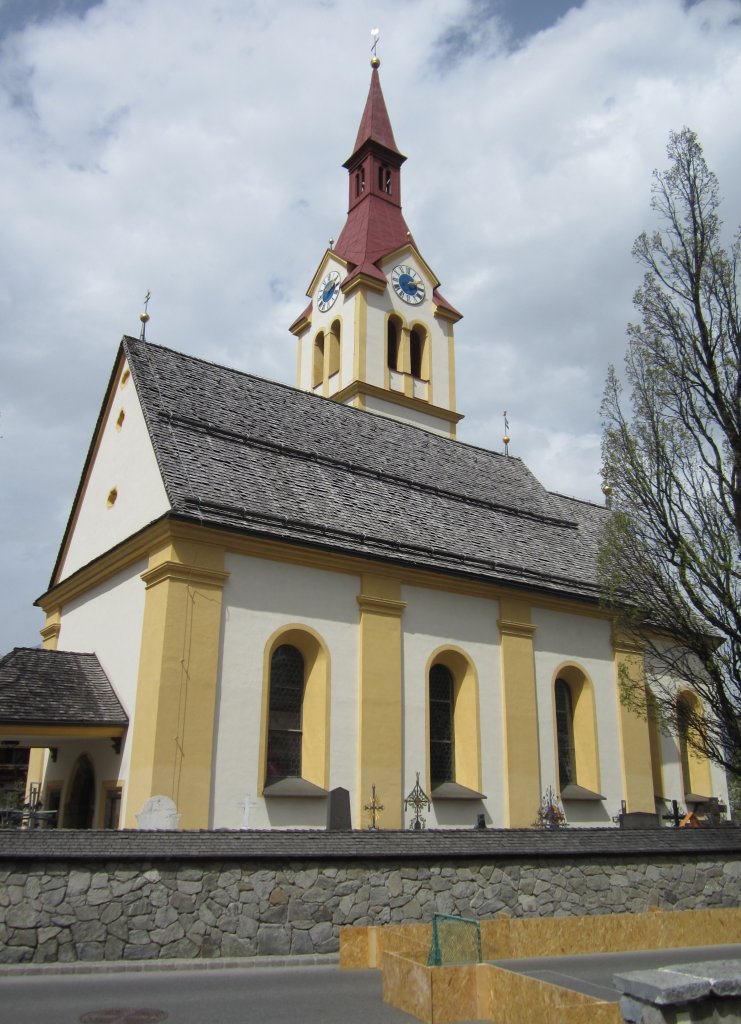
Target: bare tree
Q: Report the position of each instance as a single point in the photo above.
(672, 456)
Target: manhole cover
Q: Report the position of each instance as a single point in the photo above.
(119, 1016)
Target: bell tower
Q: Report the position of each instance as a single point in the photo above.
(377, 334)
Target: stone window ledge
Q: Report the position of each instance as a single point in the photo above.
(574, 792)
(293, 788)
(454, 791)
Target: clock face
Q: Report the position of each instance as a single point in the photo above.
(328, 291)
(408, 284)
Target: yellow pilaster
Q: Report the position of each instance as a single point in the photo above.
(361, 334)
(176, 696)
(519, 714)
(51, 629)
(635, 739)
(381, 706)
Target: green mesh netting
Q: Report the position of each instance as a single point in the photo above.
(455, 940)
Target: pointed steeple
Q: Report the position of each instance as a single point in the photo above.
(375, 125)
(375, 225)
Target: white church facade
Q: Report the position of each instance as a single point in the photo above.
(268, 593)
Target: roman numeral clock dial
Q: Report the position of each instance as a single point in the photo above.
(328, 291)
(408, 284)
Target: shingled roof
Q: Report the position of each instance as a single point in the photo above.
(40, 687)
(247, 454)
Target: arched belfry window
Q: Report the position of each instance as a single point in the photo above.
(417, 353)
(442, 745)
(565, 735)
(285, 714)
(334, 349)
(317, 371)
(360, 180)
(393, 337)
(384, 179)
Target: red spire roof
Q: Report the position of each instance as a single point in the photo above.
(374, 124)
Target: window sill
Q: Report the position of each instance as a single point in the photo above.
(453, 791)
(284, 788)
(574, 792)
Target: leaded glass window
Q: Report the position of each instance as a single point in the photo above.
(565, 735)
(442, 755)
(284, 723)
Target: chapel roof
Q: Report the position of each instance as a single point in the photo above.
(246, 454)
(43, 687)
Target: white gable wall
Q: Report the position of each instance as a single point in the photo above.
(124, 460)
(107, 621)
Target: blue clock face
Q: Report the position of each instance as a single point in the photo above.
(328, 291)
(407, 284)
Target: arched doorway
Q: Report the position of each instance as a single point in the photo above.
(80, 807)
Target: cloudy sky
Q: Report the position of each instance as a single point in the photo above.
(196, 150)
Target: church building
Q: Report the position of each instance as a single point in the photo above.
(266, 593)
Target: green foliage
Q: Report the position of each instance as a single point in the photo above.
(670, 555)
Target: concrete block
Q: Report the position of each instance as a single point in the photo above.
(662, 987)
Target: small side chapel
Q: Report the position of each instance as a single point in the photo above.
(267, 593)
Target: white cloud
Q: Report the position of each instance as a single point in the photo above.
(197, 150)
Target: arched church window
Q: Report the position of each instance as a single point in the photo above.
(417, 353)
(392, 343)
(442, 750)
(360, 180)
(334, 349)
(695, 766)
(285, 714)
(317, 374)
(565, 735)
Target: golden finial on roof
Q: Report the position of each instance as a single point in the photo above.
(331, 242)
(144, 317)
(375, 59)
(506, 437)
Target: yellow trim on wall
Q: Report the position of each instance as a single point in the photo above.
(584, 721)
(79, 732)
(396, 398)
(451, 368)
(466, 715)
(522, 791)
(315, 725)
(51, 630)
(380, 728)
(173, 727)
(360, 359)
(154, 537)
(635, 743)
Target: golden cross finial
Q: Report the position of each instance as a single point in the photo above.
(144, 317)
(375, 59)
(506, 437)
(374, 808)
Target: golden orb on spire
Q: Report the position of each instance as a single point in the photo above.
(375, 62)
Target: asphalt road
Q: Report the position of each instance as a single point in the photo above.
(593, 974)
(273, 995)
(312, 994)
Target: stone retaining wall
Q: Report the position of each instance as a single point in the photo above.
(84, 908)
